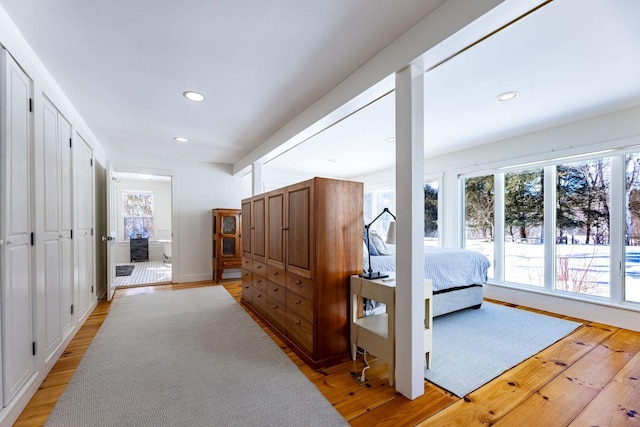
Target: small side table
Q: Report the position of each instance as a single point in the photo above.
(376, 334)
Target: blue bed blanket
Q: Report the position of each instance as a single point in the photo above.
(447, 267)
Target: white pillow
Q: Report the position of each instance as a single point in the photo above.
(378, 242)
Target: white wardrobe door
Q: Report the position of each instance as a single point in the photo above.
(17, 292)
(51, 237)
(66, 221)
(83, 238)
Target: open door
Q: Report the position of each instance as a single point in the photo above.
(110, 238)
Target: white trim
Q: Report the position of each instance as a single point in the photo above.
(623, 316)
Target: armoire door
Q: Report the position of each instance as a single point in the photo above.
(258, 210)
(246, 229)
(275, 229)
(18, 341)
(299, 199)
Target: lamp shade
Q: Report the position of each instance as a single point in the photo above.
(391, 233)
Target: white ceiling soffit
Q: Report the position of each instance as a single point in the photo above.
(569, 60)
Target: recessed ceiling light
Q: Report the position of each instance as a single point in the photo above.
(507, 96)
(181, 139)
(193, 96)
(391, 139)
(145, 176)
(332, 161)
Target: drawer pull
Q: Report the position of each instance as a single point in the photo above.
(298, 282)
(260, 281)
(275, 289)
(259, 266)
(259, 295)
(246, 287)
(275, 273)
(297, 322)
(297, 301)
(275, 306)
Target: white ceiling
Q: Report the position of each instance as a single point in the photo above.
(570, 60)
(124, 65)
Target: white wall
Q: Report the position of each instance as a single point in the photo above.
(197, 188)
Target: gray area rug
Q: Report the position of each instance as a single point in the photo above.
(188, 358)
(124, 270)
(472, 347)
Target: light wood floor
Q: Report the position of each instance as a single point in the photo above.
(590, 378)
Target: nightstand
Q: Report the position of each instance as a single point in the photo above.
(376, 334)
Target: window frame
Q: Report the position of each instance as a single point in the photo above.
(617, 208)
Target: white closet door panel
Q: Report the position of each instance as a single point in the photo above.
(53, 293)
(51, 169)
(64, 135)
(82, 268)
(83, 223)
(18, 152)
(18, 361)
(66, 223)
(66, 285)
(18, 338)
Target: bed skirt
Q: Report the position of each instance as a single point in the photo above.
(454, 299)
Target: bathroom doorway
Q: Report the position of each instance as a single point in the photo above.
(143, 214)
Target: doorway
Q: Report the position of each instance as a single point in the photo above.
(143, 229)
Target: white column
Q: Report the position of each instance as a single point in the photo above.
(410, 231)
(256, 179)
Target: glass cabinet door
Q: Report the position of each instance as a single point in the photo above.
(228, 246)
(228, 225)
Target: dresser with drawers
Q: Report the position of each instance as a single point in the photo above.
(301, 244)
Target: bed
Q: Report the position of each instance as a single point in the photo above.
(458, 276)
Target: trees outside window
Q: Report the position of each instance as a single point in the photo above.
(137, 214)
(582, 227)
(479, 216)
(524, 226)
(431, 213)
(632, 228)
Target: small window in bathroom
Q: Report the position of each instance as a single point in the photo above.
(137, 214)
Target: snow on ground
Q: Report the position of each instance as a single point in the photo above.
(582, 269)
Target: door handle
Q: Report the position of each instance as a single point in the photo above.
(106, 238)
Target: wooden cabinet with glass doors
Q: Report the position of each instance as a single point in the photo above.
(227, 241)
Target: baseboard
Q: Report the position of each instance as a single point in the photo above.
(620, 317)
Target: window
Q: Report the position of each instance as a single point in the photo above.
(374, 203)
(137, 214)
(431, 213)
(523, 227)
(556, 222)
(582, 227)
(632, 228)
(479, 216)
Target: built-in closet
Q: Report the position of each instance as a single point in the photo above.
(47, 279)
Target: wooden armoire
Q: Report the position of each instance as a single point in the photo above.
(226, 241)
(301, 243)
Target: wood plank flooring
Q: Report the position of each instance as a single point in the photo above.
(589, 378)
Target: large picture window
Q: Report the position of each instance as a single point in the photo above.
(567, 227)
(137, 214)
